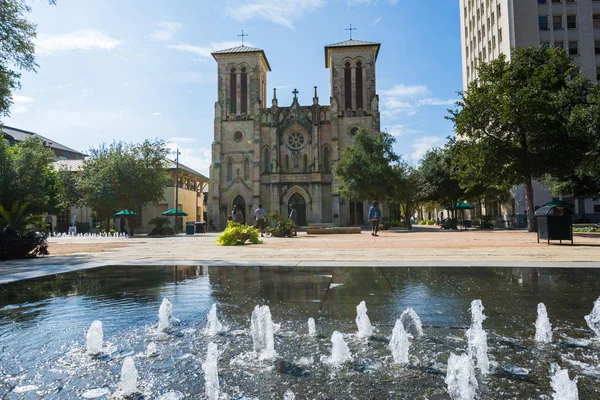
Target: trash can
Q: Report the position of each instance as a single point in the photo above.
(189, 228)
(554, 224)
(200, 227)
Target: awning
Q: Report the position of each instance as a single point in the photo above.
(172, 212)
(124, 212)
(462, 206)
(558, 203)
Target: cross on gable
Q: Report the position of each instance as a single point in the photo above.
(295, 92)
(350, 29)
(242, 35)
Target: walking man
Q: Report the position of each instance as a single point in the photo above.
(374, 217)
(260, 215)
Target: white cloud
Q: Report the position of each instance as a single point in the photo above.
(406, 99)
(156, 113)
(377, 21)
(280, 12)
(191, 154)
(393, 2)
(21, 104)
(79, 40)
(436, 102)
(401, 130)
(166, 31)
(205, 51)
(361, 2)
(423, 144)
(409, 91)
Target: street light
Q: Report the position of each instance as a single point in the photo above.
(176, 189)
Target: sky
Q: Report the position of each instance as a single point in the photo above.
(135, 69)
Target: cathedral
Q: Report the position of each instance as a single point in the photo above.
(282, 156)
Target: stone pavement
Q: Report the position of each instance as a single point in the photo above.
(424, 246)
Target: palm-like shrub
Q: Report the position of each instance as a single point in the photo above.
(283, 226)
(21, 234)
(237, 234)
(162, 226)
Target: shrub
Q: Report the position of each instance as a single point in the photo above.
(422, 222)
(19, 233)
(83, 227)
(588, 229)
(162, 226)
(283, 226)
(237, 234)
(430, 222)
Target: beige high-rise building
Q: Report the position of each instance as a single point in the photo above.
(491, 27)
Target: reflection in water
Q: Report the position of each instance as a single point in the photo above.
(43, 324)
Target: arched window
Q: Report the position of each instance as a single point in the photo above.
(359, 85)
(229, 170)
(306, 163)
(287, 163)
(244, 84)
(232, 91)
(326, 162)
(267, 161)
(348, 86)
(247, 169)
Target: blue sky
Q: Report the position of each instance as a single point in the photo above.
(133, 69)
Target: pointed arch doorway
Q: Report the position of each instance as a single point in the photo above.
(240, 204)
(298, 201)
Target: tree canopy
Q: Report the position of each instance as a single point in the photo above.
(512, 123)
(124, 176)
(365, 169)
(27, 175)
(17, 50)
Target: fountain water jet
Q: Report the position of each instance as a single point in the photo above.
(477, 338)
(460, 377)
(213, 327)
(399, 343)
(261, 328)
(94, 338)
(412, 323)
(564, 388)
(211, 372)
(365, 329)
(129, 376)
(340, 353)
(593, 319)
(312, 330)
(164, 315)
(289, 395)
(543, 328)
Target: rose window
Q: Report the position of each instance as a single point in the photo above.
(296, 140)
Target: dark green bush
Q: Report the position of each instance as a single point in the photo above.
(21, 244)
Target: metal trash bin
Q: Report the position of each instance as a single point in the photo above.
(189, 228)
(554, 224)
(200, 227)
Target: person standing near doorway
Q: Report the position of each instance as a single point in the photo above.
(374, 217)
(239, 217)
(294, 217)
(260, 215)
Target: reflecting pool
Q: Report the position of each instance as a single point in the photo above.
(43, 325)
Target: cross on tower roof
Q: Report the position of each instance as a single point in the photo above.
(350, 29)
(295, 92)
(242, 35)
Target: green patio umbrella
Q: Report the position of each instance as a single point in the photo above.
(124, 212)
(462, 206)
(558, 203)
(172, 212)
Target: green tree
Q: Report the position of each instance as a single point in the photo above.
(124, 176)
(17, 50)
(27, 175)
(408, 191)
(512, 122)
(438, 178)
(366, 168)
(69, 188)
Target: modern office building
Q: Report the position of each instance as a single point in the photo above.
(493, 27)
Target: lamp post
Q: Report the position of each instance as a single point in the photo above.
(176, 189)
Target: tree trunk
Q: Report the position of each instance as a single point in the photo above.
(531, 221)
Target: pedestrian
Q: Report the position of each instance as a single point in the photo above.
(260, 215)
(239, 217)
(293, 217)
(374, 217)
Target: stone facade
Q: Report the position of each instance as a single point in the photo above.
(279, 156)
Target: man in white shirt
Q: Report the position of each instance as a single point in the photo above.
(260, 215)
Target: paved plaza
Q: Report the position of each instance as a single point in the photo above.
(424, 246)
